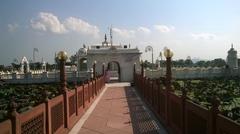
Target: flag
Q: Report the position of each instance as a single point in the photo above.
(35, 49)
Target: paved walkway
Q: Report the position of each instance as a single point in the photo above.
(118, 110)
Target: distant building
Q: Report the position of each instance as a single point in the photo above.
(232, 60)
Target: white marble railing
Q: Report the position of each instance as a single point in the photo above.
(186, 73)
(42, 77)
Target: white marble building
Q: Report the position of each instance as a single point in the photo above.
(116, 58)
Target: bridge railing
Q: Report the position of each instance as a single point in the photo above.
(179, 114)
(56, 115)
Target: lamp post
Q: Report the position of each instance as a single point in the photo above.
(168, 54)
(62, 57)
(149, 48)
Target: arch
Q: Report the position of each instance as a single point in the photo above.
(115, 70)
(82, 62)
(24, 65)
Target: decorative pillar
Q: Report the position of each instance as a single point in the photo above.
(168, 73)
(13, 115)
(168, 54)
(45, 100)
(184, 98)
(214, 112)
(62, 57)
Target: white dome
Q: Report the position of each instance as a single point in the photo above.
(82, 52)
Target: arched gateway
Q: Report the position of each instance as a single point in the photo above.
(118, 56)
(114, 70)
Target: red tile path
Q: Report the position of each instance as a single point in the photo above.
(121, 111)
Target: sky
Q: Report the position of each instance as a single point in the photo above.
(202, 29)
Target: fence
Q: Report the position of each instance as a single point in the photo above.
(57, 115)
(180, 115)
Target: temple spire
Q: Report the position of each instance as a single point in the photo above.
(232, 45)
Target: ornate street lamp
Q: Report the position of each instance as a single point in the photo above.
(168, 54)
(62, 57)
(147, 49)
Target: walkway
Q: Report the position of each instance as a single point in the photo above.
(119, 110)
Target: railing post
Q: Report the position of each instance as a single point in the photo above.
(214, 112)
(13, 114)
(134, 72)
(89, 97)
(103, 69)
(158, 95)
(46, 101)
(76, 97)
(183, 97)
(142, 69)
(83, 94)
(94, 69)
(152, 97)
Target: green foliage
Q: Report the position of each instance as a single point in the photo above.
(227, 92)
(26, 96)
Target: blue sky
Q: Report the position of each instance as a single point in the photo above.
(204, 29)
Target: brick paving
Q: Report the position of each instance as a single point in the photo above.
(121, 111)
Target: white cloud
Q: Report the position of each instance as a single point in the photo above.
(12, 27)
(124, 32)
(164, 28)
(203, 36)
(78, 25)
(144, 30)
(50, 22)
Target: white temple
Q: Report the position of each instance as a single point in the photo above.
(118, 59)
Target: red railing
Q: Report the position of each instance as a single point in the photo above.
(57, 115)
(180, 115)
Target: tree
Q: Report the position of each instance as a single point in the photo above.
(218, 62)
(200, 63)
(2, 67)
(188, 62)
(15, 66)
